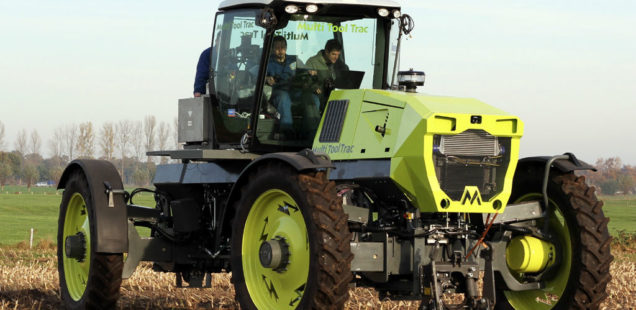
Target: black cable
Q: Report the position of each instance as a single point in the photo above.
(406, 24)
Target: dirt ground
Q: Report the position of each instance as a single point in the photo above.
(29, 280)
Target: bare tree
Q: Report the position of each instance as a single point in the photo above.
(175, 124)
(70, 137)
(162, 139)
(56, 143)
(21, 142)
(150, 123)
(86, 140)
(1, 136)
(124, 131)
(137, 139)
(35, 143)
(107, 140)
(31, 174)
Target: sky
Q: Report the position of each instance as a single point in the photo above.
(566, 68)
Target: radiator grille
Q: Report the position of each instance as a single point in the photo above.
(334, 120)
(470, 143)
(471, 158)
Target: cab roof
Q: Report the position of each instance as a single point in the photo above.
(378, 3)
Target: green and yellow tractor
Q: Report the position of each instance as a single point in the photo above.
(343, 177)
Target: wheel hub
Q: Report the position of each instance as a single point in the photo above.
(528, 254)
(274, 254)
(75, 246)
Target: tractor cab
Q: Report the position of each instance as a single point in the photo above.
(262, 100)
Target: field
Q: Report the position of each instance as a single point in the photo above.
(37, 209)
(28, 277)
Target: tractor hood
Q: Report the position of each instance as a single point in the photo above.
(446, 154)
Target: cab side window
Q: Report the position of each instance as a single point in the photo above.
(235, 72)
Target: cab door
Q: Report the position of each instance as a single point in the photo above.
(236, 60)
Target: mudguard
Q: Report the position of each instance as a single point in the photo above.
(563, 165)
(305, 160)
(110, 221)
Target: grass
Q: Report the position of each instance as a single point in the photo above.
(37, 209)
(622, 213)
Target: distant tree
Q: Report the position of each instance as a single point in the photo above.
(625, 182)
(6, 169)
(175, 133)
(21, 142)
(137, 139)
(16, 160)
(35, 142)
(55, 173)
(124, 131)
(150, 124)
(70, 138)
(51, 168)
(86, 140)
(1, 136)
(162, 139)
(107, 140)
(140, 176)
(5, 173)
(609, 187)
(30, 174)
(56, 142)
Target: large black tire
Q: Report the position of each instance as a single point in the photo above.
(327, 238)
(103, 281)
(590, 240)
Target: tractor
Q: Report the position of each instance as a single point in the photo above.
(368, 184)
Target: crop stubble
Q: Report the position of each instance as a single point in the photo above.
(29, 280)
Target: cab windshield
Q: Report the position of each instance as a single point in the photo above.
(308, 58)
(273, 88)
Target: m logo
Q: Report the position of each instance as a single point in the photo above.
(471, 196)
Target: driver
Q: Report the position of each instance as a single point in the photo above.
(281, 68)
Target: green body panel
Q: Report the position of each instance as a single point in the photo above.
(410, 120)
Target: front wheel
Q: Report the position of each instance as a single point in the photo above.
(290, 242)
(581, 241)
(88, 280)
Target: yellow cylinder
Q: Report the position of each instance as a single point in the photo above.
(528, 254)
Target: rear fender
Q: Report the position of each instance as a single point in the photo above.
(109, 221)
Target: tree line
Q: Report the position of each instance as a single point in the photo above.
(613, 177)
(124, 143)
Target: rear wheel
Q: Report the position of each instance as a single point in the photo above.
(581, 239)
(290, 242)
(88, 280)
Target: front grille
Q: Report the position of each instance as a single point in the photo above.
(470, 143)
(471, 158)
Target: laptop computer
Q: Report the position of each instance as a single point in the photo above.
(349, 79)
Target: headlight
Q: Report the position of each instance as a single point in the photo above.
(312, 8)
(291, 9)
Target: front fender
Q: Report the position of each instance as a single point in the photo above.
(563, 165)
(110, 222)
